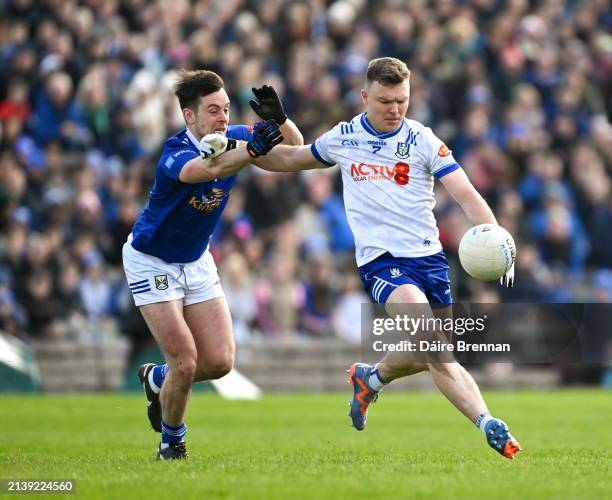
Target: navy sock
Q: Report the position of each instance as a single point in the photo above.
(172, 434)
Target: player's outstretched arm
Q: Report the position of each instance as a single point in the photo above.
(474, 206)
(217, 165)
(224, 165)
(464, 193)
(289, 159)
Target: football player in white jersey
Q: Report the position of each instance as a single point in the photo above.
(388, 166)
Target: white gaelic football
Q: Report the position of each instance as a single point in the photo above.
(487, 252)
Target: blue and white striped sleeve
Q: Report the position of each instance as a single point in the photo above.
(321, 148)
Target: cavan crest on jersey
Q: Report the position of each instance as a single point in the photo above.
(388, 184)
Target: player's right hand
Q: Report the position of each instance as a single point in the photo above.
(266, 135)
(507, 279)
(212, 145)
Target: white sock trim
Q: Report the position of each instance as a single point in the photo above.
(485, 420)
(374, 380)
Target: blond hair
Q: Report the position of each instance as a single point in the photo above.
(387, 71)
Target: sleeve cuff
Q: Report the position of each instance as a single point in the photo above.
(318, 156)
(446, 170)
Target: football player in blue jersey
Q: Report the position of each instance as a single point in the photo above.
(170, 271)
(388, 165)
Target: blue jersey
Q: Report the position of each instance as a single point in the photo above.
(176, 224)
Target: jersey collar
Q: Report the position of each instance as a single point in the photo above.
(372, 131)
(193, 140)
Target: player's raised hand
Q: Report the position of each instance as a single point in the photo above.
(267, 105)
(266, 135)
(507, 279)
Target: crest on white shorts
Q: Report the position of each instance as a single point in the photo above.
(161, 282)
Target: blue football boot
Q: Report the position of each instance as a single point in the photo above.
(500, 439)
(363, 394)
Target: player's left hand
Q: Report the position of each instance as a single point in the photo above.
(266, 135)
(267, 104)
(507, 279)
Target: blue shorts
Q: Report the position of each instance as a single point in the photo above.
(429, 274)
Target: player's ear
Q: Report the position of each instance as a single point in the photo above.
(364, 96)
(189, 116)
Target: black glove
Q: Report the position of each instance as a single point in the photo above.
(266, 135)
(267, 105)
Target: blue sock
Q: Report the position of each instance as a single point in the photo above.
(173, 434)
(157, 376)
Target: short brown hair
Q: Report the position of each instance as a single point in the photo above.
(195, 84)
(387, 71)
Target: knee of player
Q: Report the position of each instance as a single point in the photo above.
(220, 366)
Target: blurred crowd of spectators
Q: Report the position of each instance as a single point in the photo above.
(521, 92)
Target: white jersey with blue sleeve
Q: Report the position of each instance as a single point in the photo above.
(388, 184)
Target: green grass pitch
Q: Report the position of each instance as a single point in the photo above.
(301, 446)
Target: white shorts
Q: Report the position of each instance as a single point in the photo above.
(153, 280)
